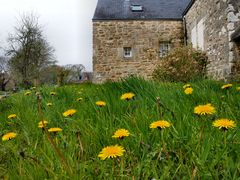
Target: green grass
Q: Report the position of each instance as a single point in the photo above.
(178, 152)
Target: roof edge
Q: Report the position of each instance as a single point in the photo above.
(95, 9)
(188, 7)
(137, 19)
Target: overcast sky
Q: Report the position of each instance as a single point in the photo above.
(67, 26)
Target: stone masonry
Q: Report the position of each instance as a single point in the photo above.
(143, 36)
(221, 19)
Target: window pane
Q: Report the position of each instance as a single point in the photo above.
(127, 52)
(164, 48)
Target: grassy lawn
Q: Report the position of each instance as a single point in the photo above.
(190, 148)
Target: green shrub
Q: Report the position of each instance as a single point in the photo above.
(182, 64)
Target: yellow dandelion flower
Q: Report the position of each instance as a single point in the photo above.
(204, 109)
(121, 133)
(161, 124)
(186, 86)
(224, 124)
(79, 99)
(54, 130)
(33, 88)
(238, 88)
(69, 112)
(111, 152)
(42, 124)
(52, 93)
(12, 116)
(49, 104)
(188, 90)
(9, 136)
(226, 86)
(127, 96)
(101, 103)
(27, 93)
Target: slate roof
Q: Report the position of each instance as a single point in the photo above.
(152, 9)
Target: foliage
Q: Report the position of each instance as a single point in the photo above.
(49, 75)
(29, 50)
(61, 75)
(191, 148)
(182, 64)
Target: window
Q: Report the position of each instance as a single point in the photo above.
(136, 8)
(127, 52)
(164, 49)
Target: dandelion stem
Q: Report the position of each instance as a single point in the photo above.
(225, 139)
(122, 167)
(201, 135)
(164, 146)
(159, 109)
(80, 143)
(113, 168)
(48, 135)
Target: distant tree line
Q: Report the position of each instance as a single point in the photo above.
(29, 58)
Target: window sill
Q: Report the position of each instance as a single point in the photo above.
(126, 58)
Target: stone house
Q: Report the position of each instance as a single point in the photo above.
(214, 27)
(131, 36)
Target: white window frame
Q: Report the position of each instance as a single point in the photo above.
(127, 52)
(164, 48)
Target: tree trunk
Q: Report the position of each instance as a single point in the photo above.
(3, 85)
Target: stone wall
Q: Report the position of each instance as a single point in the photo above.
(220, 19)
(144, 37)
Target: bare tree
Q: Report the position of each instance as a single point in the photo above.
(29, 49)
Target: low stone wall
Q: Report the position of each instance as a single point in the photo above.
(144, 37)
(221, 18)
